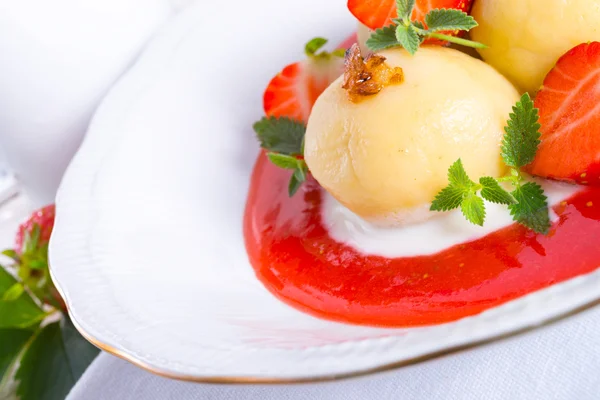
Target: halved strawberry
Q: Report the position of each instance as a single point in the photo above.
(293, 91)
(570, 118)
(379, 13)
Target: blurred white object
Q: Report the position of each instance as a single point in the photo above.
(59, 58)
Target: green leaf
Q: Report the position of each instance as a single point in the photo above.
(493, 192)
(21, 312)
(280, 135)
(53, 362)
(339, 53)
(449, 20)
(531, 208)
(283, 161)
(405, 8)
(300, 173)
(314, 45)
(298, 177)
(383, 38)
(522, 137)
(448, 198)
(294, 185)
(457, 176)
(473, 209)
(13, 342)
(13, 292)
(11, 254)
(408, 38)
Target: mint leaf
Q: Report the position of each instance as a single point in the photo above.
(449, 20)
(280, 135)
(522, 137)
(448, 199)
(54, 361)
(493, 192)
(294, 185)
(457, 176)
(283, 161)
(13, 343)
(383, 38)
(21, 312)
(298, 177)
(531, 208)
(405, 8)
(300, 172)
(408, 38)
(473, 209)
(314, 45)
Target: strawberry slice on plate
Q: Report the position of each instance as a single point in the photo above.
(379, 13)
(293, 91)
(570, 118)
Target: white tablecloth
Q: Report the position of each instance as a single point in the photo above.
(558, 362)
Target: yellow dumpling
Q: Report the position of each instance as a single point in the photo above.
(526, 37)
(389, 153)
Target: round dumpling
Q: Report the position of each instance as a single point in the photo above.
(525, 38)
(385, 155)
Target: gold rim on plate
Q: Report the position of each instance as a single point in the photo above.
(325, 378)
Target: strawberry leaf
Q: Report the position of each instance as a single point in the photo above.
(13, 342)
(54, 361)
(13, 292)
(20, 312)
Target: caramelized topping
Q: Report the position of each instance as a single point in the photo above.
(367, 77)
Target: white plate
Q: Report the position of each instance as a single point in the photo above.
(148, 246)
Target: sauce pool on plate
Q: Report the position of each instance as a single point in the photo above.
(295, 257)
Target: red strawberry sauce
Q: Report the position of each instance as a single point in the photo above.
(298, 261)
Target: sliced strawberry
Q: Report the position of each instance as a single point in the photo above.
(570, 118)
(379, 13)
(293, 91)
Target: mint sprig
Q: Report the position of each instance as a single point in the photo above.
(410, 34)
(283, 138)
(526, 202)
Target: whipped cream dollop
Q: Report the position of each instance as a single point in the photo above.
(428, 235)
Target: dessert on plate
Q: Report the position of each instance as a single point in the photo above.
(442, 161)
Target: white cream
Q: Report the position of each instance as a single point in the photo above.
(430, 236)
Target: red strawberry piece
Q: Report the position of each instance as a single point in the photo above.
(570, 118)
(379, 13)
(293, 91)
